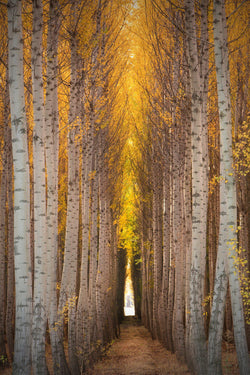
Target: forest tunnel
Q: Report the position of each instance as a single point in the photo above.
(125, 139)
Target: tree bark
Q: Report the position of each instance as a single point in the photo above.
(52, 149)
(199, 200)
(10, 303)
(23, 280)
(157, 241)
(3, 219)
(39, 309)
(227, 251)
(68, 296)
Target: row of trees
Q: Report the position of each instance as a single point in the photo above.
(63, 89)
(195, 250)
(130, 142)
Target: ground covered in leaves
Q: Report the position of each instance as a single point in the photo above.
(135, 353)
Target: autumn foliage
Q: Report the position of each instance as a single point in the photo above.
(113, 152)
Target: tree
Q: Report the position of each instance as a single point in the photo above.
(39, 308)
(199, 199)
(227, 250)
(10, 303)
(3, 217)
(68, 292)
(23, 282)
(51, 152)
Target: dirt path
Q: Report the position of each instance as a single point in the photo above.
(135, 353)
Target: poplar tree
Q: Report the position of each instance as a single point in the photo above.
(227, 251)
(197, 339)
(23, 280)
(51, 153)
(68, 292)
(39, 308)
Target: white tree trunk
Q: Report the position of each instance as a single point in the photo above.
(10, 243)
(93, 253)
(3, 208)
(23, 281)
(227, 251)
(162, 309)
(52, 151)
(178, 227)
(157, 241)
(101, 280)
(199, 202)
(68, 297)
(83, 321)
(39, 308)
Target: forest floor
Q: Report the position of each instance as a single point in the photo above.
(135, 353)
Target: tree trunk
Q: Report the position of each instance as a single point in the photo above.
(103, 268)
(157, 241)
(23, 280)
(227, 250)
(199, 201)
(3, 217)
(39, 308)
(171, 274)
(10, 308)
(52, 149)
(68, 297)
(83, 307)
(93, 251)
(162, 310)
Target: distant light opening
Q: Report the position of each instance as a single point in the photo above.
(129, 305)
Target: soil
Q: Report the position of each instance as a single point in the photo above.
(135, 353)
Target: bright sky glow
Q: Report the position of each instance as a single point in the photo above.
(129, 306)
